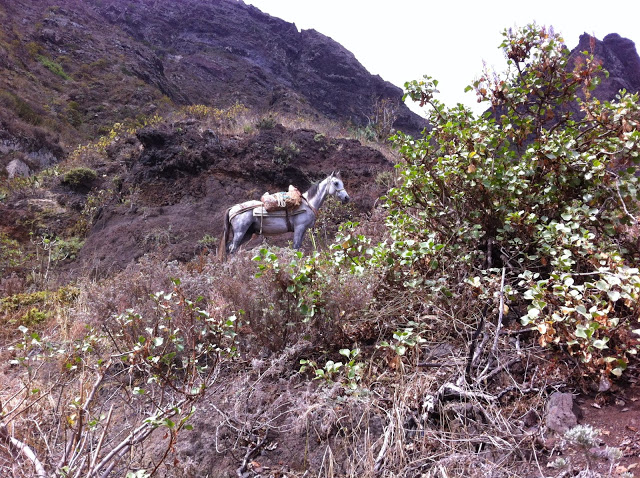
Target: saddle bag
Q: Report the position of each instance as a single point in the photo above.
(287, 200)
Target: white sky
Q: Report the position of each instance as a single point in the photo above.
(401, 40)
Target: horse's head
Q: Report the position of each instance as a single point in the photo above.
(336, 188)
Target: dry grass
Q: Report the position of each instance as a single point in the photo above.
(410, 415)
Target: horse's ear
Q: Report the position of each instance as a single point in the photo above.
(337, 174)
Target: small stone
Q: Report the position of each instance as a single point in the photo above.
(605, 384)
(559, 414)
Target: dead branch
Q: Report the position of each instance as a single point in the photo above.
(136, 436)
(472, 344)
(448, 391)
(251, 452)
(498, 369)
(100, 441)
(383, 450)
(25, 449)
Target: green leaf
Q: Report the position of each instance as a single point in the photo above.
(617, 371)
(582, 310)
(601, 344)
(614, 295)
(169, 423)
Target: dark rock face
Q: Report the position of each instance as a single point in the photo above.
(619, 57)
(225, 51)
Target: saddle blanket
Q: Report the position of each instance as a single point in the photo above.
(259, 210)
(262, 211)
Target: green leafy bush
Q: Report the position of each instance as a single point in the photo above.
(266, 122)
(11, 253)
(283, 154)
(534, 187)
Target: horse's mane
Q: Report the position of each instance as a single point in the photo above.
(313, 190)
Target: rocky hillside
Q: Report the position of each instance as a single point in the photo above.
(70, 69)
(178, 180)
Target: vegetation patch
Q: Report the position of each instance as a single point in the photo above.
(11, 253)
(79, 179)
(34, 308)
(53, 67)
(422, 341)
(22, 108)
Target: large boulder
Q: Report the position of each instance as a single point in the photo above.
(17, 168)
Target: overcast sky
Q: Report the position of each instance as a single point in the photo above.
(401, 40)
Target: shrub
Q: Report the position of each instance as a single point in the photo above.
(283, 154)
(79, 179)
(73, 113)
(32, 309)
(266, 122)
(167, 359)
(11, 253)
(22, 108)
(532, 189)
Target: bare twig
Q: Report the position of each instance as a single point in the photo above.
(500, 313)
(498, 369)
(383, 449)
(624, 206)
(136, 436)
(94, 458)
(472, 344)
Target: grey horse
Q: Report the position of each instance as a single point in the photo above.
(245, 222)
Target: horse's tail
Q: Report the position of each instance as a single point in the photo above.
(222, 248)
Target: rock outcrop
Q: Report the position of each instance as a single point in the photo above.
(619, 57)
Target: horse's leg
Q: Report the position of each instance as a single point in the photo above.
(239, 228)
(298, 235)
(248, 235)
(241, 235)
